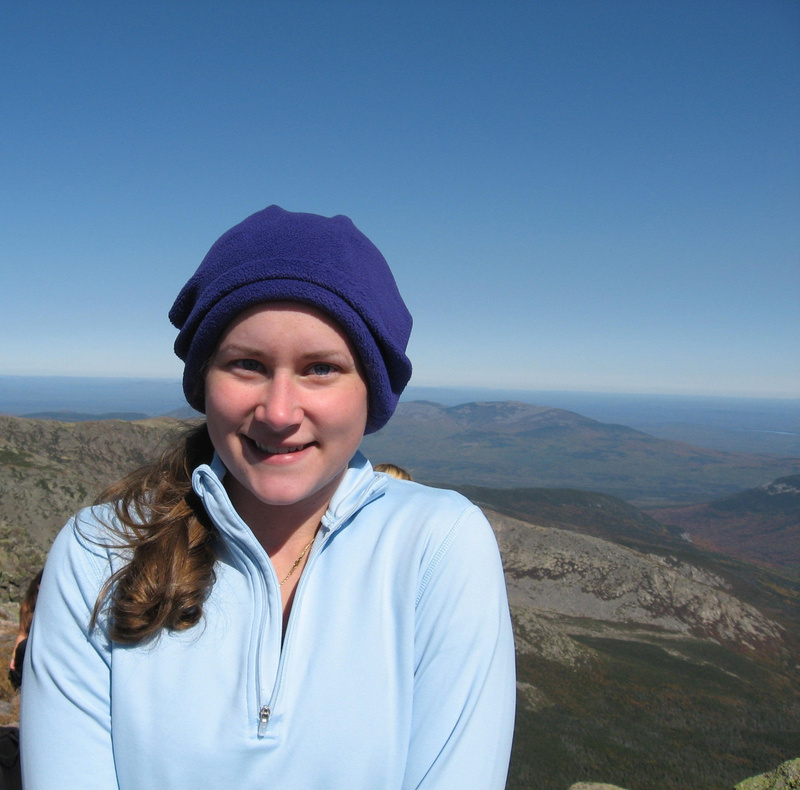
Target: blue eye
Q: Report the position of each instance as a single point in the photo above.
(322, 369)
(247, 364)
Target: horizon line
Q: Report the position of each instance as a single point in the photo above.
(450, 387)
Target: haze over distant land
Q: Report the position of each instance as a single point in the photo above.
(734, 424)
(30, 394)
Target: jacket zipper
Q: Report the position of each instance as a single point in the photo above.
(263, 720)
(265, 711)
(251, 555)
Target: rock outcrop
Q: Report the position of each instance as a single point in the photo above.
(557, 572)
(594, 786)
(785, 777)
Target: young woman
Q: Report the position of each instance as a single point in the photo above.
(259, 609)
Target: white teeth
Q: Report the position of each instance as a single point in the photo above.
(266, 448)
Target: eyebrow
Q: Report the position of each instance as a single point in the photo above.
(326, 353)
(308, 356)
(234, 348)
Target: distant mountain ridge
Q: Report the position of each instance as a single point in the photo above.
(588, 512)
(512, 444)
(737, 424)
(77, 416)
(758, 525)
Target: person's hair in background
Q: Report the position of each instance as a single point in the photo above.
(10, 769)
(393, 471)
(28, 604)
(26, 609)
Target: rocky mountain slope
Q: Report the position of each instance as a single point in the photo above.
(633, 667)
(573, 575)
(508, 444)
(773, 588)
(50, 469)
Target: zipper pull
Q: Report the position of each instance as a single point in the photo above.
(263, 720)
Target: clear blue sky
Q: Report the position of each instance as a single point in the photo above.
(580, 195)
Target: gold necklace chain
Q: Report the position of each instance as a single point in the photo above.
(298, 560)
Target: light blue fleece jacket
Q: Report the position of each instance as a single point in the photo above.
(396, 670)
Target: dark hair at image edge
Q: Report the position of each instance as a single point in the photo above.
(28, 604)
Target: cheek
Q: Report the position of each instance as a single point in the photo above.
(357, 410)
(218, 424)
(345, 412)
(223, 404)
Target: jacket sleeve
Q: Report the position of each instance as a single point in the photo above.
(465, 684)
(65, 718)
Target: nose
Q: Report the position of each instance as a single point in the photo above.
(280, 407)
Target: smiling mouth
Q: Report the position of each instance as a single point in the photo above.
(270, 449)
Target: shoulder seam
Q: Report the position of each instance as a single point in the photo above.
(443, 549)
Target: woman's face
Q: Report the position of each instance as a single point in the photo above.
(286, 405)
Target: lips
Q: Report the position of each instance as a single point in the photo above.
(269, 449)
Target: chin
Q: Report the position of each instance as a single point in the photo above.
(300, 494)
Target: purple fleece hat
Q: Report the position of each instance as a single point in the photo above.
(277, 255)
